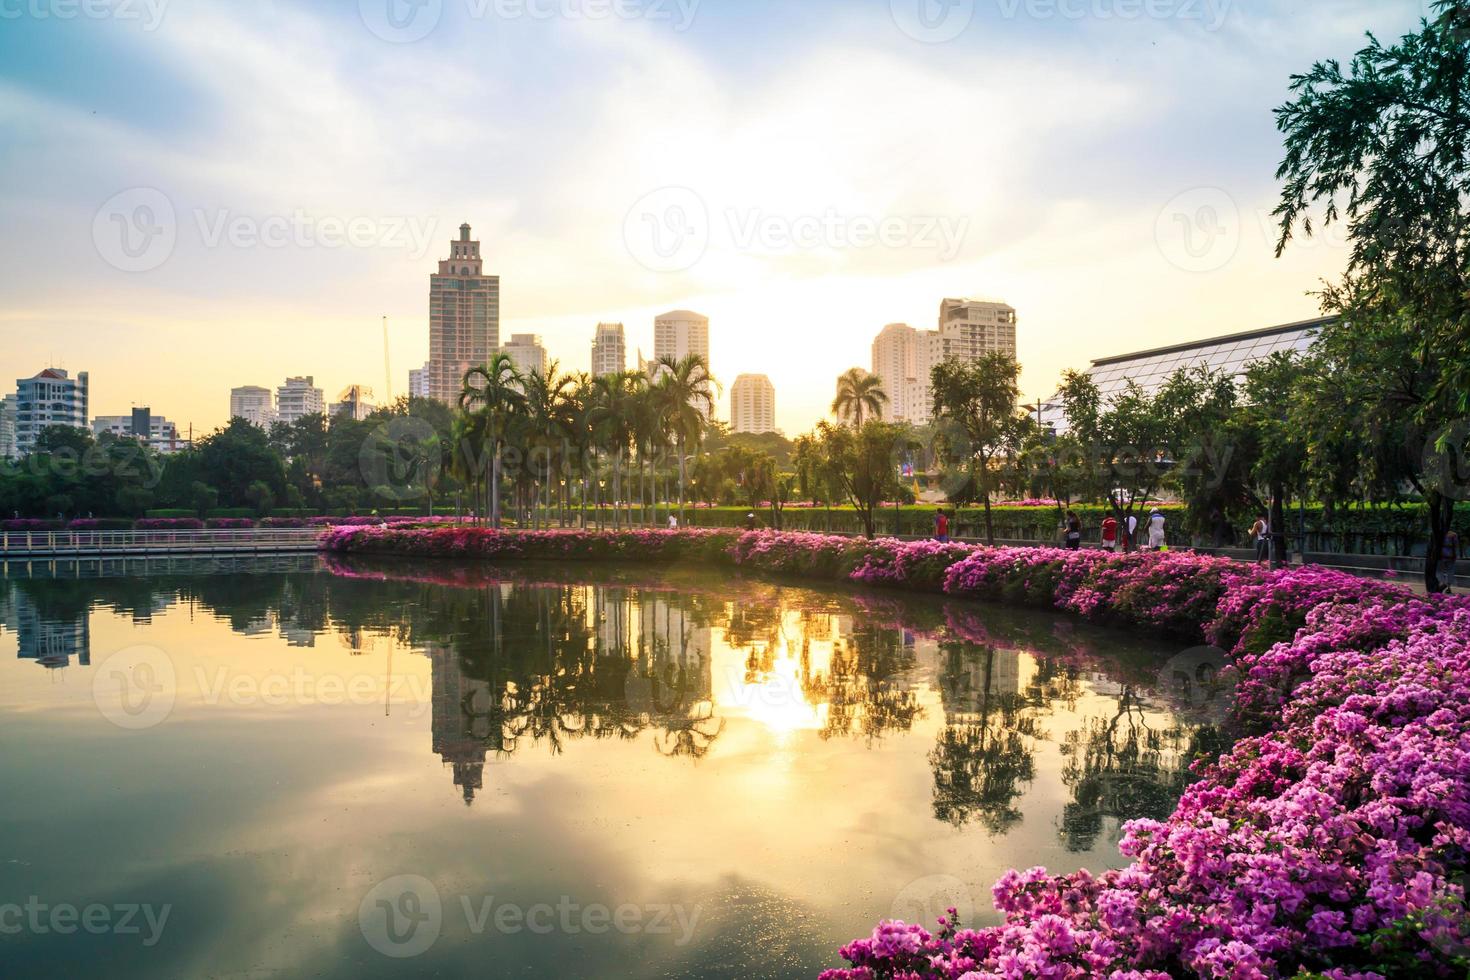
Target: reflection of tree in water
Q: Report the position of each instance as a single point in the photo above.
(1121, 767)
(985, 754)
(867, 691)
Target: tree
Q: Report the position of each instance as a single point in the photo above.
(863, 464)
(493, 398)
(1271, 425)
(687, 400)
(1383, 147)
(975, 406)
(859, 394)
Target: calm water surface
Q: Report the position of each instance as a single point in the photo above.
(289, 769)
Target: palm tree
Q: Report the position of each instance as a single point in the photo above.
(686, 395)
(493, 392)
(548, 418)
(859, 393)
(616, 397)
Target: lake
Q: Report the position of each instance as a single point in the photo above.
(294, 768)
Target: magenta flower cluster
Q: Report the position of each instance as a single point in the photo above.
(1332, 840)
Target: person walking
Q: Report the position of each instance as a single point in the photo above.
(941, 525)
(1110, 533)
(1132, 535)
(1449, 554)
(1261, 534)
(1156, 539)
(1074, 531)
(750, 521)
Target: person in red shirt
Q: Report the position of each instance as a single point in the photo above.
(1110, 533)
(941, 526)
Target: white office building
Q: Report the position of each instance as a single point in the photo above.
(609, 349)
(155, 431)
(253, 404)
(298, 398)
(7, 427)
(753, 404)
(904, 357)
(418, 382)
(50, 398)
(679, 334)
(527, 353)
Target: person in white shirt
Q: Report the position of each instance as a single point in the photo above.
(1132, 539)
(673, 523)
(1156, 531)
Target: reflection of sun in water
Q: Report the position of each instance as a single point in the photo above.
(776, 698)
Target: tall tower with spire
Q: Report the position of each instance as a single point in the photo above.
(464, 317)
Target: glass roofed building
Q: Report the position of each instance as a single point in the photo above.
(1149, 369)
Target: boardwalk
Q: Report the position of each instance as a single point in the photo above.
(35, 545)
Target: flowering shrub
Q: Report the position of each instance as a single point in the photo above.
(1332, 840)
(168, 524)
(29, 524)
(222, 523)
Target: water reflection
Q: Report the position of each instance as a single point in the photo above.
(816, 749)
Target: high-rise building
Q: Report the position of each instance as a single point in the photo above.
(901, 362)
(418, 382)
(154, 431)
(753, 404)
(298, 398)
(464, 317)
(609, 349)
(969, 329)
(355, 402)
(253, 404)
(7, 427)
(679, 334)
(904, 357)
(50, 398)
(527, 353)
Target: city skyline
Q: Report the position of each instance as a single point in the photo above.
(1085, 232)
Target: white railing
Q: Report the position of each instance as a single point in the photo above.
(33, 544)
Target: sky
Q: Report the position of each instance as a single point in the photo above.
(203, 194)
